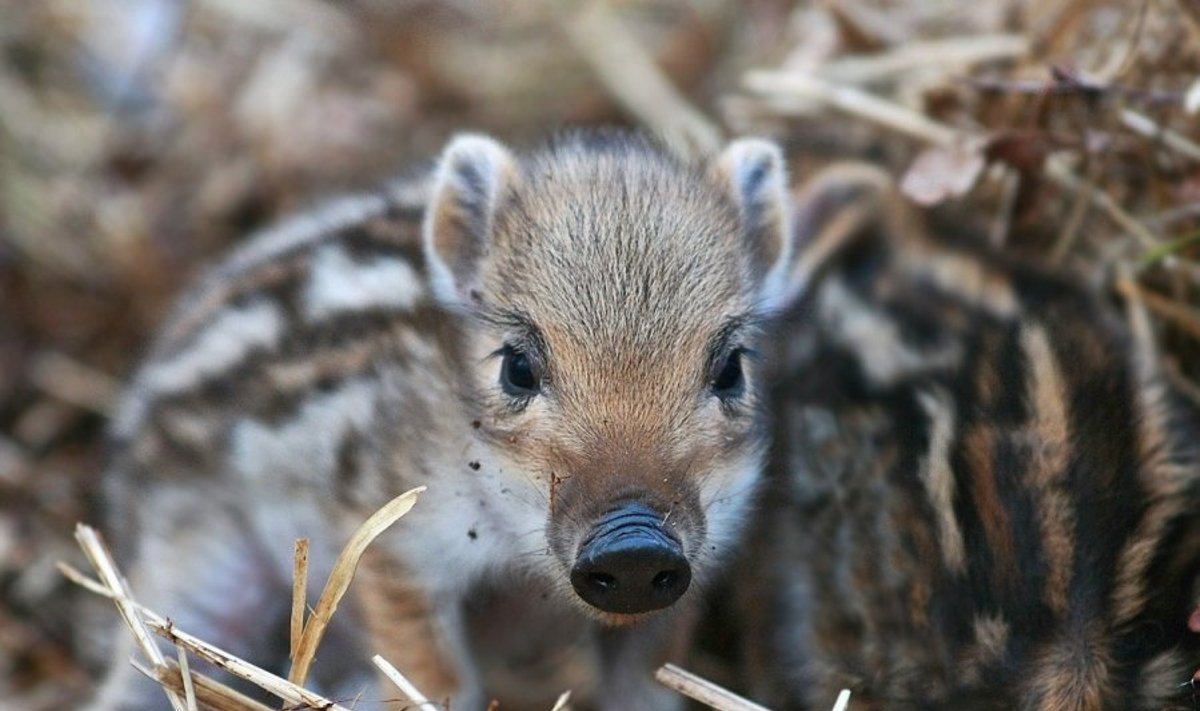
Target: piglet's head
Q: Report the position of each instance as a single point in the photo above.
(612, 298)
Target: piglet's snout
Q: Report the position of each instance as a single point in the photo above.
(631, 563)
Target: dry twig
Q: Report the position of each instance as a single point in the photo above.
(189, 689)
(1186, 319)
(299, 595)
(702, 690)
(912, 123)
(305, 636)
(148, 620)
(211, 693)
(402, 683)
(947, 55)
(1146, 126)
(340, 577)
(561, 703)
(102, 561)
(263, 679)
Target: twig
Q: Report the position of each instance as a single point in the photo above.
(702, 690)
(1058, 171)
(1131, 51)
(1184, 318)
(561, 703)
(1191, 97)
(163, 627)
(402, 683)
(843, 700)
(1146, 126)
(1057, 21)
(209, 692)
(912, 123)
(286, 690)
(142, 621)
(73, 382)
(299, 595)
(636, 81)
(946, 54)
(1075, 86)
(102, 561)
(1010, 190)
(1070, 231)
(189, 690)
(852, 101)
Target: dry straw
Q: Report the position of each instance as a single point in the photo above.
(339, 581)
(189, 690)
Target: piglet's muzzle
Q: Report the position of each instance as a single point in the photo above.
(630, 563)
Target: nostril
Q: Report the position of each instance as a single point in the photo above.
(666, 579)
(630, 563)
(603, 581)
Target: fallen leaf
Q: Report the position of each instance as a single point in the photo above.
(941, 173)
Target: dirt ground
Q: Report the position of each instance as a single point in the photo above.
(140, 138)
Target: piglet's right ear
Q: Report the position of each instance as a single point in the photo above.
(472, 177)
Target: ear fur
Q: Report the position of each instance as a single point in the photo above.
(472, 177)
(753, 172)
(841, 205)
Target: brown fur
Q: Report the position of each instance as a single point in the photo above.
(934, 390)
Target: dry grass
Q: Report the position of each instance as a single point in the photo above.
(186, 690)
(306, 634)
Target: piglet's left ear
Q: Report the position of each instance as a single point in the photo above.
(753, 172)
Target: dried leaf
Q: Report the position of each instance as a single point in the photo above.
(940, 173)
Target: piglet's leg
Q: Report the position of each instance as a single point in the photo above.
(421, 636)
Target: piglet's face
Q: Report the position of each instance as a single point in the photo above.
(613, 299)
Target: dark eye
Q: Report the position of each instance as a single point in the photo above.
(728, 381)
(517, 375)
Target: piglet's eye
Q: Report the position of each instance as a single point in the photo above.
(728, 379)
(518, 376)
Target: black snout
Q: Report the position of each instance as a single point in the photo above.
(630, 563)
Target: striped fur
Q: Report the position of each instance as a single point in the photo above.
(329, 365)
(979, 496)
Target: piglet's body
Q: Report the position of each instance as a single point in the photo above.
(556, 344)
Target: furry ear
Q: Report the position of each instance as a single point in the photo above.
(472, 177)
(753, 172)
(842, 205)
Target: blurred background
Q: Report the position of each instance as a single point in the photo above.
(140, 138)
